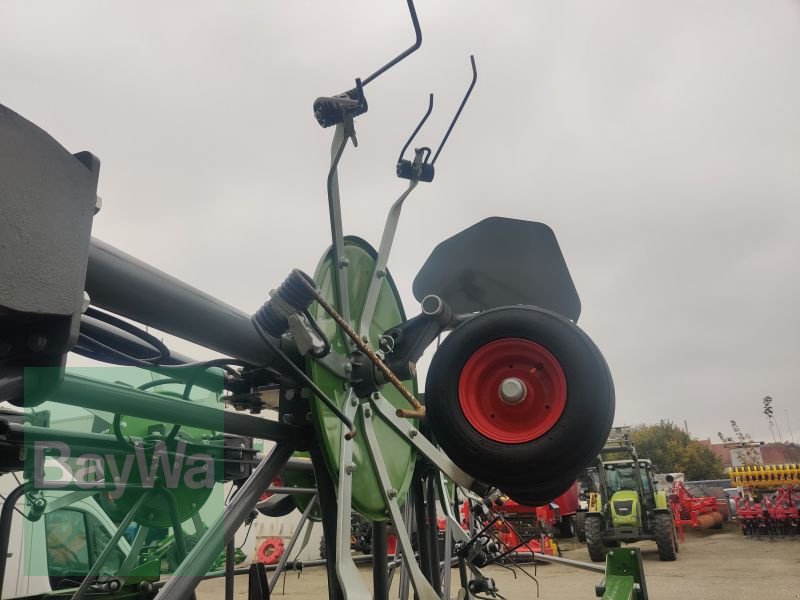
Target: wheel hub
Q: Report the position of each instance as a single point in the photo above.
(512, 391)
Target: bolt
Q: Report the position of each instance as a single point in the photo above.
(308, 416)
(367, 412)
(392, 493)
(289, 395)
(305, 393)
(348, 368)
(412, 432)
(344, 262)
(288, 419)
(206, 442)
(381, 273)
(350, 468)
(123, 424)
(98, 203)
(376, 396)
(354, 402)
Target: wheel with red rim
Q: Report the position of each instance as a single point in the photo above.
(512, 391)
(520, 398)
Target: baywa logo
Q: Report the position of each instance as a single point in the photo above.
(115, 472)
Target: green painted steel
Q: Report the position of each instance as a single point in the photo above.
(661, 499)
(397, 453)
(624, 578)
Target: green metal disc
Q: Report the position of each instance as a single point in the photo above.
(398, 454)
(189, 499)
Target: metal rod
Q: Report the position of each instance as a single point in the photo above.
(230, 558)
(432, 532)
(328, 508)
(417, 43)
(295, 536)
(460, 108)
(380, 561)
(6, 517)
(379, 271)
(191, 571)
(92, 394)
(110, 547)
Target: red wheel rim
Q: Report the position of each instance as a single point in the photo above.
(512, 420)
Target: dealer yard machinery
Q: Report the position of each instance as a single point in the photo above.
(517, 396)
(627, 507)
(698, 512)
(769, 501)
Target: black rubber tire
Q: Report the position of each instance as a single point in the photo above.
(580, 526)
(566, 529)
(575, 439)
(283, 507)
(538, 495)
(664, 531)
(593, 527)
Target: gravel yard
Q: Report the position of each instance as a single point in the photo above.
(711, 565)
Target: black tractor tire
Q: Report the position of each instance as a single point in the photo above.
(593, 527)
(566, 529)
(664, 530)
(573, 441)
(580, 526)
(280, 508)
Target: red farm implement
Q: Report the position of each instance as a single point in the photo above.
(698, 512)
(770, 502)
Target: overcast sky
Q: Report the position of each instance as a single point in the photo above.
(660, 141)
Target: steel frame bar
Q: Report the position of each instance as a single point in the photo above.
(411, 434)
(206, 551)
(422, 587)
(352, 585)
(385, 248)
(110, 546)
(339, 265)
(295, 536)
(84, 392)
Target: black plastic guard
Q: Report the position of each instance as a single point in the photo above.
(500, 262)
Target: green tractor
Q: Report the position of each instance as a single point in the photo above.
(625, 506)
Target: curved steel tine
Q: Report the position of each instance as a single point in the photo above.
(401, 56)
(421, 123)
(460, 108)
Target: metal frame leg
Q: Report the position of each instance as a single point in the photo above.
(191, 571)
(380, 561)
(329, 510)
(295, 536)
(422, 587)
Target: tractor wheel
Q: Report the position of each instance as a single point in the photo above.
(566, 528)
(519, 396)
(664, 530)
(580, 526)
(593, 525)
(279, 508)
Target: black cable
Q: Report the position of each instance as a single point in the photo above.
(148, 338)
(300, 373)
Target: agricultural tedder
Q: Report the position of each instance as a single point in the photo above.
(517, 397)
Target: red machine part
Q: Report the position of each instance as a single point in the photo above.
(557, 515)
(270, 551)
(699, 512)
(774, 514)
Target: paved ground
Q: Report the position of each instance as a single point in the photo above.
(720, 565)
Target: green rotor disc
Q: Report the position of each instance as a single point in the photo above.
(398, 454)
